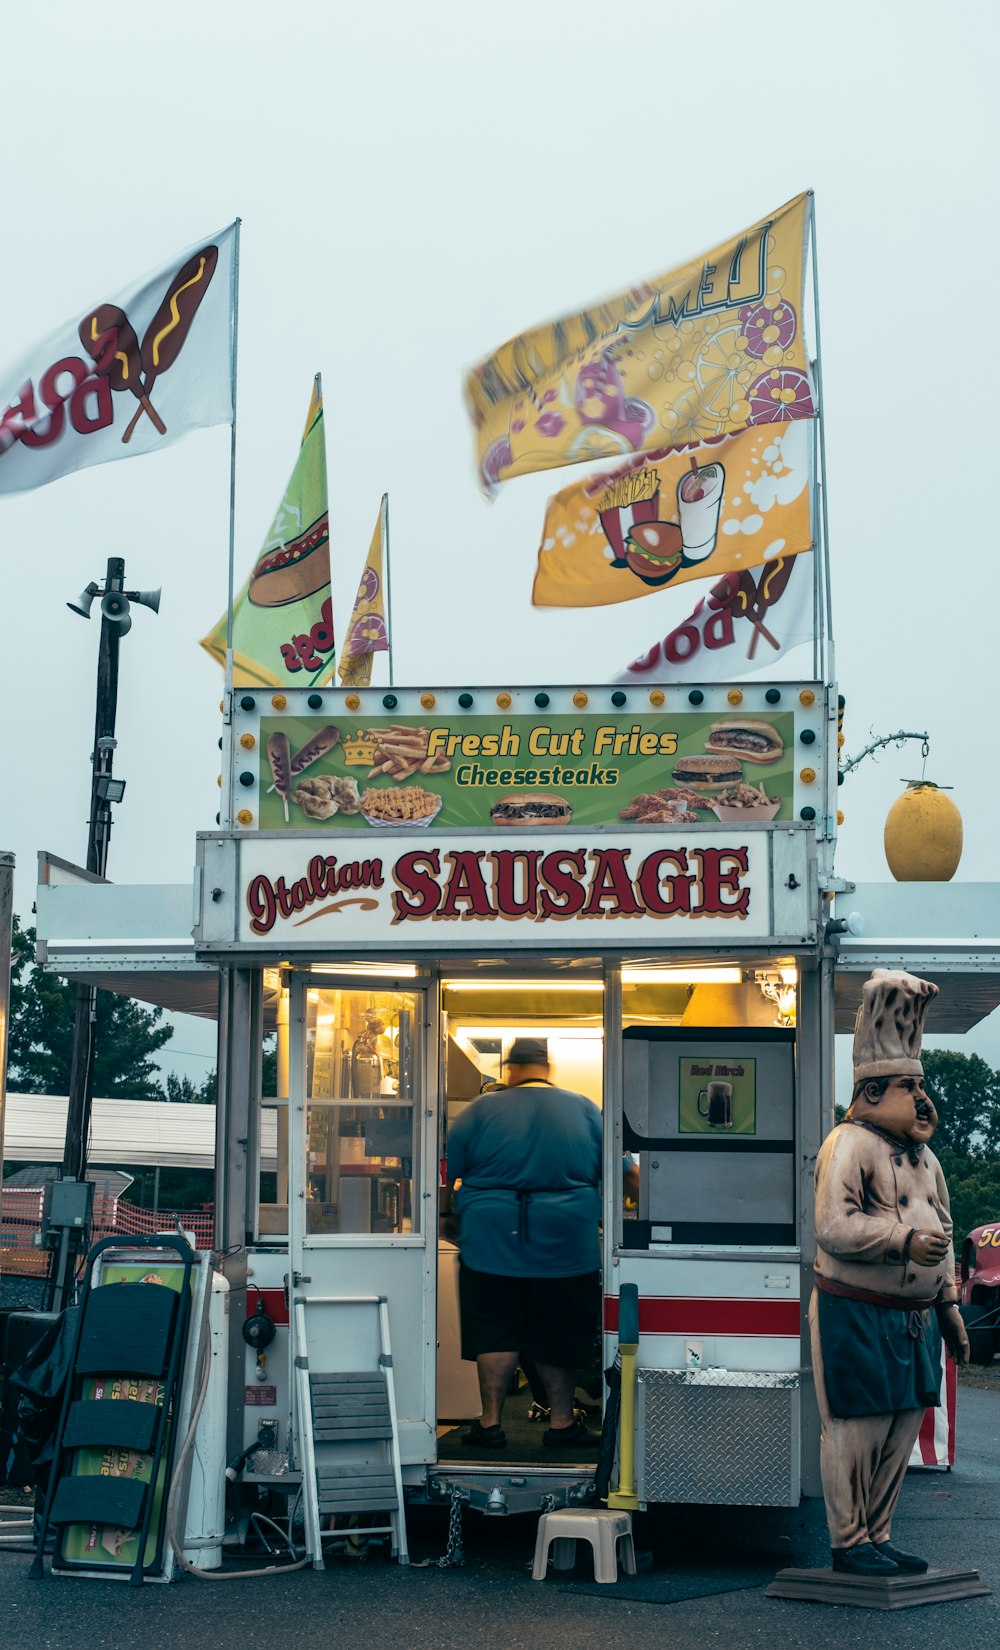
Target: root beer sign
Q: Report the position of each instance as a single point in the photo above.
(557, 892)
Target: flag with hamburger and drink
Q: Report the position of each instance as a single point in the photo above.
(667, 518)
(283, 616)
(698, 384)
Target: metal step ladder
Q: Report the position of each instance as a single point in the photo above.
(345, 1434)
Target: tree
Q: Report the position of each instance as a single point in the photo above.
(973, 1192)
(182, 1091)
(966, 1093)
(40, 1050)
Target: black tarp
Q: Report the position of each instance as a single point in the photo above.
(33, 1393)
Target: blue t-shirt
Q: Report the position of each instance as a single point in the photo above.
(529, 1159)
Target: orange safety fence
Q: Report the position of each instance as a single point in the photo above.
(21, 1220)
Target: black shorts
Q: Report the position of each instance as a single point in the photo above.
(553, 1320)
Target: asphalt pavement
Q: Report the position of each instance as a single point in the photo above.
(701, 1584)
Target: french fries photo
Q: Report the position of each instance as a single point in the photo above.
(401, 752)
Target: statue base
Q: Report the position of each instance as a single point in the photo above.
(898, 1592)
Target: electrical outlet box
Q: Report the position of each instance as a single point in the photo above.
(694, 1354)
(267, 1432)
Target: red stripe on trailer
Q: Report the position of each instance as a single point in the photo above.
(720, 1315)
(275, 1304)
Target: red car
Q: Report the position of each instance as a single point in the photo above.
(979, 1286)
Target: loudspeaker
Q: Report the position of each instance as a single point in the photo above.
(115, 608)
(148, 598)
(84, 602)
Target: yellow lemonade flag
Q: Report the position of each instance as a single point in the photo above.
(705, 350)
(368, 632)
(671, 517)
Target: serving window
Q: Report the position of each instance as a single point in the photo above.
(362, 1074)
(708, 1106)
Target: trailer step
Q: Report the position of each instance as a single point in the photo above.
(346, 1438)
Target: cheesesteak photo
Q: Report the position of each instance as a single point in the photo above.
(750, 741)
(539, 809)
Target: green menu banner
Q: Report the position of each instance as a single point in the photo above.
(520, 772)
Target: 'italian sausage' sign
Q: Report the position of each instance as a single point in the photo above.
(126, 375)
(549, 891)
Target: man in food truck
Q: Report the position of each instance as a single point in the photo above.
(529, 1160)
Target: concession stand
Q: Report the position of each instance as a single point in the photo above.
(402, 882)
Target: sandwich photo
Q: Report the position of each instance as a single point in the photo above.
(535, 808)
(750, 741)
(295, 569)
(654, 551)
(707, 772)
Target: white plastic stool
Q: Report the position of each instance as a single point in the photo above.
(604, 1528)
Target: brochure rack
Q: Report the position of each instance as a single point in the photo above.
(129, 1343)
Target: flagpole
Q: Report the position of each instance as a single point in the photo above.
(816, 530)
(824, 517)
(226, 799)
(388, 580)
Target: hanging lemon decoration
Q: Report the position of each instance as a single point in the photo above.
(923, 834)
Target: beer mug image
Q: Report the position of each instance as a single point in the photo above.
(718, 1107)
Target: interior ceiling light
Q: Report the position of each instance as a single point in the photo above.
(472, 1035)
(382, 971)
(682, 976)
(782, 995)
(488, 985)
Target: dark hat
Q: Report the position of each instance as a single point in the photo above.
(528, 1051)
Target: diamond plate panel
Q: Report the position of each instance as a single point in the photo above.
(719, 1437)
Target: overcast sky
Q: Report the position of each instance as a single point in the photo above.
(416, 184)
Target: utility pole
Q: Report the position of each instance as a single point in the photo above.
(81, 1079)
(68, 1215)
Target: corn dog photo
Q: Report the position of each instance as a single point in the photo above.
(280, 757)
(325, 740)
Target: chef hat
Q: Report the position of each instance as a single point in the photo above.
(890, 1025)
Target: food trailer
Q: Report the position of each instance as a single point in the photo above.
(419, 876)
(402, 882)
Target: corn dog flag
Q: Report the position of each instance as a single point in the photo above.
(702, 351)
(368, 631)
(670, 517)
(126, 375)
(283, 616)
(746, 622)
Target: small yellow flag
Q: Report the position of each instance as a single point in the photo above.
(368, 631)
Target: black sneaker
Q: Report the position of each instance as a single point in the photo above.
(904, 1561)
(576, 1436)
(480, 1437)
(863, 1560)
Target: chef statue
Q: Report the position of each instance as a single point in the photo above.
(885, 1280)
